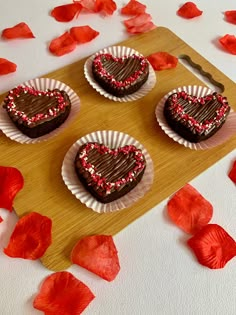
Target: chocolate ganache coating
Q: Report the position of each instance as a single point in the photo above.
(193, 118)
(120, 76)
(36, 113)
(108, 173)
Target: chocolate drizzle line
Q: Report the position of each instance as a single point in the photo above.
(120, 71)
(123, 164)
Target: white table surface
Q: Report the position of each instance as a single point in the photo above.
(159, 275)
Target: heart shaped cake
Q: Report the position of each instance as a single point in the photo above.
(36, 113)
(120, 76)
(109, 174)
(196, 118)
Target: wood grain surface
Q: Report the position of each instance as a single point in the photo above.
(174, 165)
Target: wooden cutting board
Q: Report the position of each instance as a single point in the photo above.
(174, 165)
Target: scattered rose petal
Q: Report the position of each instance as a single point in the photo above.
(97, 254)
(213, 246)
(11, 182)
(66, 12)
(7, 66)
(133, 7)
(83, 34)
(137, 20)
(31, 237)
(189, 210)
(140, 23)
(232, 173)
(20, 30)
(141, 28)
(1, 219)
(162, 61)
(105, 6)
(62, 45)
(189, 10)
(63, 294)
(230, 16)
(88, 5)
(229, 43)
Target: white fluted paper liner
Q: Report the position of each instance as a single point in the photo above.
(119, 51)
(42, 84)
(225, 132)
(112, 139)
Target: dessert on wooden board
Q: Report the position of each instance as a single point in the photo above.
(35, 112)
(109, 174)
(120, 76)
(196, 118)
(111, 142)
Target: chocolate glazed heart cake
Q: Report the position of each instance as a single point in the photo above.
(36, 113)
(109, 174)
(120, 76)
(196, 119)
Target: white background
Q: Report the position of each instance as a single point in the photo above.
(33, 58)
(159, 275)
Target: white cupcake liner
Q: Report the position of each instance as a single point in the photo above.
(112, 139)
(42, 84)
(119, 51)
(225, 132)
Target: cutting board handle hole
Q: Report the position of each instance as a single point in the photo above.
(204, 76)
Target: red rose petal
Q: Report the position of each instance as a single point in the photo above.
(97, 254)
(213, 246)
(105, 6)
(7, 66)
(137, 20)
(83, 34)
(189, 10)
(1, 219)
(230, 16)
(88, 5)
(63, 294)
(11, 182)
(162, 61)
(189, 210)
(133, 7)
(66, 12)
(141, 28)
(232, 173)
(62, 45)
(20, 30)
(31, 237)
(229, 43)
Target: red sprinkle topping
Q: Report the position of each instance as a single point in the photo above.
(98, 63)
(19, 90)
(102, 149)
